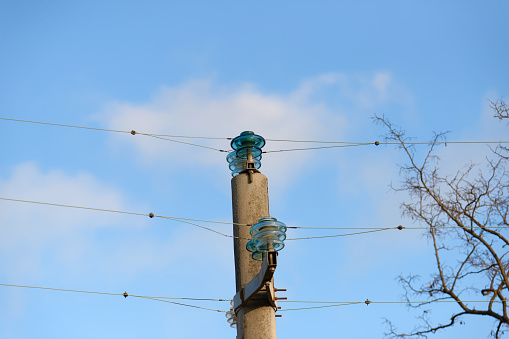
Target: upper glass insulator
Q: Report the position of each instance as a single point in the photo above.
(237, 164)
(246, 144)
(243, 152)
(247, 139)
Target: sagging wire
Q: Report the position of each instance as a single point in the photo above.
(132, 132)
(125, 295)
(150, 215)
(340, 144)
(193, 222)
(368, 302)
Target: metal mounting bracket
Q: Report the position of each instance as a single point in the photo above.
(261, 280)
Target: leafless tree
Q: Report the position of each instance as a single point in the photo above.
(501, 109)
(466, 219)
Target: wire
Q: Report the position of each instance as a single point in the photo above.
(383, 228)
(190, 222)
(386, 143)
(188, 143)
(151, 215)
(313, 141)
(133, 132)
(368, 302)
(187, 220)
(341, 143)
(342, 235)
(181, 304)
(125, 295)
(347, 144)
(62, 125)
(314, 148)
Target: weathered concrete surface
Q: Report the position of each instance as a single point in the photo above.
(250, 201)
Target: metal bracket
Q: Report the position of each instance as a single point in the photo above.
(250, 166)
(250, 171)
(261, 280)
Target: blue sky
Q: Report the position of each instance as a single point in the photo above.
(286, 70)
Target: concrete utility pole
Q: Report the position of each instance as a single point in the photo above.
(250, 200)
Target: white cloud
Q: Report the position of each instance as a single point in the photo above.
(29, 231)
(201, 108)
(35, 238)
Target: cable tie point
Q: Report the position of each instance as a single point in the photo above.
(377, 143)
(400, 227)
(151, 215)
(133, 132)
(367, 302)
(125, 295)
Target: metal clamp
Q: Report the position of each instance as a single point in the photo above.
(261, 280)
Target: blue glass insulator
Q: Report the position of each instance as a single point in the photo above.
(246, 143)
(267, 223)
(250, 246)
(256, 152)
(237, 165)
(263, 241)
(257, 256)
(267, 234)
(247, 139)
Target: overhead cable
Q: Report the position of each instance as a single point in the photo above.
(368, 302)
(125, 295)
(342, 235)
(190, 221)
(132, 132)
(339, 144)
(150, 215)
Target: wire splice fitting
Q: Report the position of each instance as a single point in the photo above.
(125, 294)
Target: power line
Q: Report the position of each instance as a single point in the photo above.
(132, 132)
(400, 227)
(342, 235)
(63, 125)
(377, 143)
(322, 147)
(151, 215)
(190, 221)
(350, 143)
(125, 295)
(340, 144)
(368, 302)
(188, 143)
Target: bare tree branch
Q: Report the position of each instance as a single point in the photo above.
(466, 214)
(501, 109)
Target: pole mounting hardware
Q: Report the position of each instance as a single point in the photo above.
(261, 280)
